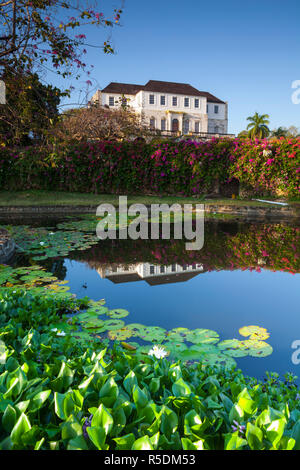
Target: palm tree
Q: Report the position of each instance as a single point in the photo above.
(258, 126)
(279, 132)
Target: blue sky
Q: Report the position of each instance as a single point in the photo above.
(246, 53)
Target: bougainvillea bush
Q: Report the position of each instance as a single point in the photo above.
(179, 168)
(272, 166)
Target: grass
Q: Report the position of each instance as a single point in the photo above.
(57, 198)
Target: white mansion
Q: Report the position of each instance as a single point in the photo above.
(168, 106)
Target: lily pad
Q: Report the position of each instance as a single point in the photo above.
(201, 335)
(117, 313)
(255, 332)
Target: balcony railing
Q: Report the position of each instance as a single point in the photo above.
(180, 134)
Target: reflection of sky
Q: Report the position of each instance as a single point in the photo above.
(223, 301)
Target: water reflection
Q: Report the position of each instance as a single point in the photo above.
(150, 273)
(227, 246)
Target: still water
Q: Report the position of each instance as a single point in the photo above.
(246, 274)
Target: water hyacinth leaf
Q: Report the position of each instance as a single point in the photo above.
(124, 442)
(102, 419)
(9, 418)
(20, 428)
(181, 388)
(143, 443)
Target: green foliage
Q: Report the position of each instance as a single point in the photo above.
(30, 111)
(60, 393)
(185, 168)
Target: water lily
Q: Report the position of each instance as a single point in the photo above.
(158, 352)
(58, 333)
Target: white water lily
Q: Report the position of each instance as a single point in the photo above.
(54, 329)
(61, 333)
(42, 243)
(158, 352)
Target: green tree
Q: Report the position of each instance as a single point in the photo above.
(48, 33)
(31, 109)
(279, 132)
(258, 125)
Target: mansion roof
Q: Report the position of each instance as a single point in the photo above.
(159, 87)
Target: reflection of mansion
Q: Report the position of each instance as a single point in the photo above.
(168, 106)
(152, 274)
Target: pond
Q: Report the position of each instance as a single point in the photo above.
(246, 274)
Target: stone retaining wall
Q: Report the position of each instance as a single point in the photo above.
(257, 211)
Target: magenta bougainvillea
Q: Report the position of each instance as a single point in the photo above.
(184, 168)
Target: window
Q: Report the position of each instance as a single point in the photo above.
(151, 99)
(216, 129)
(216, 109)
(197, 126)
(174, 101)
(173, 268)
(152, 123)
(196, 102)
(111, 101)
(162, 269)
(163, 124)
(184, 266)
(151, 269)
(207, 109)
(186, 102)
(186, 126)
(163, 100)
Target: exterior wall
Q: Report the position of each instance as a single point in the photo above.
(131, 99)
(217, 122)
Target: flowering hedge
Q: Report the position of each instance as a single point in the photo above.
(181, 168)
(272, 166)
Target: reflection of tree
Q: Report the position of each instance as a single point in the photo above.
(227, 246)
(56, 267)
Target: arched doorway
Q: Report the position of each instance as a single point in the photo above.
(175, 125)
